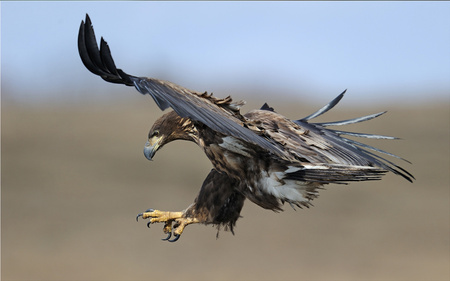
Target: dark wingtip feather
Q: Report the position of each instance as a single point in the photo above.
(99, 61)
(107, 59)
(82, 50)
(88, 48)
(91, 44)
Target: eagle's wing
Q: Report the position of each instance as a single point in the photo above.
(221, 115)
(324, 148)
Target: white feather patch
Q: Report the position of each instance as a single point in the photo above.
(292, 169)
(234, 145)
(287, 190)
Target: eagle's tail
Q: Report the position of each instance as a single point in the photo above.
(99, 61)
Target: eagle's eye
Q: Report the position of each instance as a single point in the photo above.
(154, 134)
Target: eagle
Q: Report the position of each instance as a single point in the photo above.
(261, 156)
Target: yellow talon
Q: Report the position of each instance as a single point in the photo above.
(178, 218)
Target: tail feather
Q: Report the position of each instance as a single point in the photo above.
(107, 59)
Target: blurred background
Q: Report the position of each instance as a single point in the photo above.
(74, 176)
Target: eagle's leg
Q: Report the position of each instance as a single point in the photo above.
(174, 222)
(219, 202)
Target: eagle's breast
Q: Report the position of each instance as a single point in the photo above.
(230, 155)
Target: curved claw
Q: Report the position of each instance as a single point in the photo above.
(149, 223)
(168, 237)
(177, 236)
(141, 214)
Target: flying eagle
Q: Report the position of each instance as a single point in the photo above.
(262, 155)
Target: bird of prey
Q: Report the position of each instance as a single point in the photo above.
(261, 155)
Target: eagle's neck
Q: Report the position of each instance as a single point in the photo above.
(185, 130)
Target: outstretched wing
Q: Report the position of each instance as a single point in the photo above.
(322, 147)
(221, 115)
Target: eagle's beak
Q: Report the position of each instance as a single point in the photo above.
(151, 146)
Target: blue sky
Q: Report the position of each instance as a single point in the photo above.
(382, 52)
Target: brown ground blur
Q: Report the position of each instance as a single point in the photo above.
(73, 179)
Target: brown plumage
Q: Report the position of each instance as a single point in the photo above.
(261, 156)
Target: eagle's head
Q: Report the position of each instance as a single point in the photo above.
(167, 128)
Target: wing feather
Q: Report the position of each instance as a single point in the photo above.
(356, 143)
(361, 135)
(351, 121)
(324, 109)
